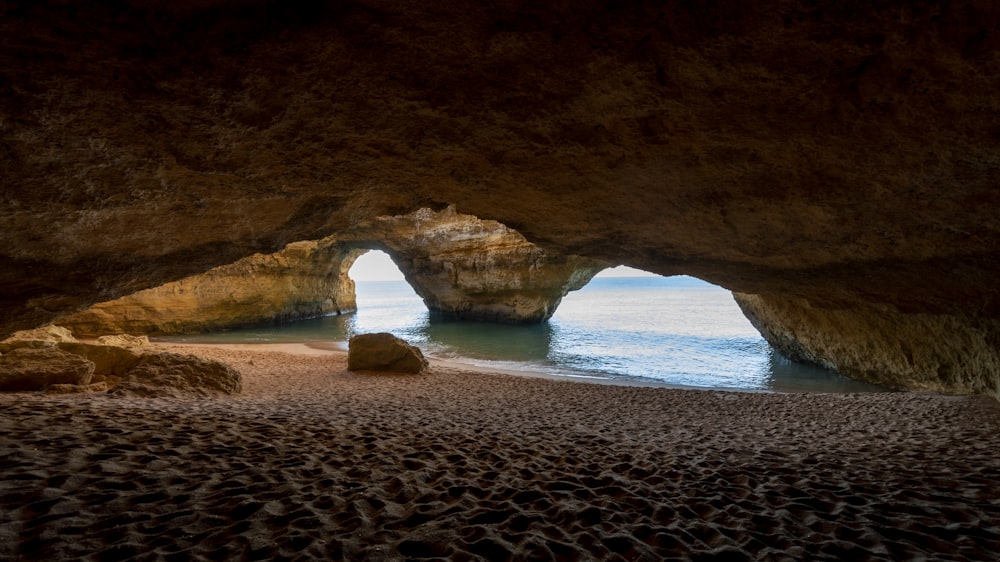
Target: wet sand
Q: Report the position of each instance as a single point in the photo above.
(315, 462)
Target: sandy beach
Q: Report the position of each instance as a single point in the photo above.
(312, 461)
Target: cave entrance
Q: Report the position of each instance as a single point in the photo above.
(679, 330)
(385, 300)
(625, 324)
(374, 265)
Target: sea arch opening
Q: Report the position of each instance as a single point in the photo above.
(639, 326)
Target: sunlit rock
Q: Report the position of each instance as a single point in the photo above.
(51, 359)
(45, 336)
(304, 280)
(472, 269)
(462, 267)
(108, 360)
(126, 341)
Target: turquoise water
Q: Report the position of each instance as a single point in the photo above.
(673, 330)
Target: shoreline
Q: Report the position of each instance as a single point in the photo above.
(317, 347)
(315, 462)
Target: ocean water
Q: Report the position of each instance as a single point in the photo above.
(673, 330)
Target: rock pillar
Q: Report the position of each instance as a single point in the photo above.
(471, 269)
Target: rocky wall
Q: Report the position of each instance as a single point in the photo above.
(461, 266)
(842, 153)
(471, 269)
(304, 280)
(883, 345)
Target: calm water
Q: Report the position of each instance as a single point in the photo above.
(675, 330)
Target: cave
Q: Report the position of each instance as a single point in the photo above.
(833, 164)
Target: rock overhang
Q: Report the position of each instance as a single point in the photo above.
(844, 157)
(461, 266)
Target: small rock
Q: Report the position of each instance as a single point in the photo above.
(384, 352)
(30, 368)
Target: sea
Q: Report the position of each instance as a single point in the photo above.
(676, 331)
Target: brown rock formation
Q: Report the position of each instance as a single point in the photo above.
(473, 269)
(882, 345)
(384, 352)
(44, 336)
(30, 368)
(304, 280)
(171, 374)
(51, 359)
(461, 266)
(842, 154)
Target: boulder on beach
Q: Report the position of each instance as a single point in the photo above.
(109, 360)
(30, 368)
(174, 375)
(51, 359)
(384, 352)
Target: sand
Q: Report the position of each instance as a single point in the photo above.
(315, 462)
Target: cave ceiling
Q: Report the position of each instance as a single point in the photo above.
(821, 150)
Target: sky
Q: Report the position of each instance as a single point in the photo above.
(376, 266)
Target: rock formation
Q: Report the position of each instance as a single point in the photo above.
(51, 359)
(384, 352)
(881, 344)
(461, 266)
(173, 375)
(303, 280)
(845, 155)
(472, 269)
(44, 336)
(36, 368)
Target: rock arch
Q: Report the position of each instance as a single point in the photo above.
(461, 266)
(472, 269)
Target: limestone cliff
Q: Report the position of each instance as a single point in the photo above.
(472, 269)
(304, 280)
(842, 153)
(461, 266)
(882, 345)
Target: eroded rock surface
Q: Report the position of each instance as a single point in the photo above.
(174, 375)
(51, 359)
(882, 345)
(472, 269)
(384, 352)
(842, 154)
(30, 368)
(462, 267)
(44, 336)
(304, 280)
